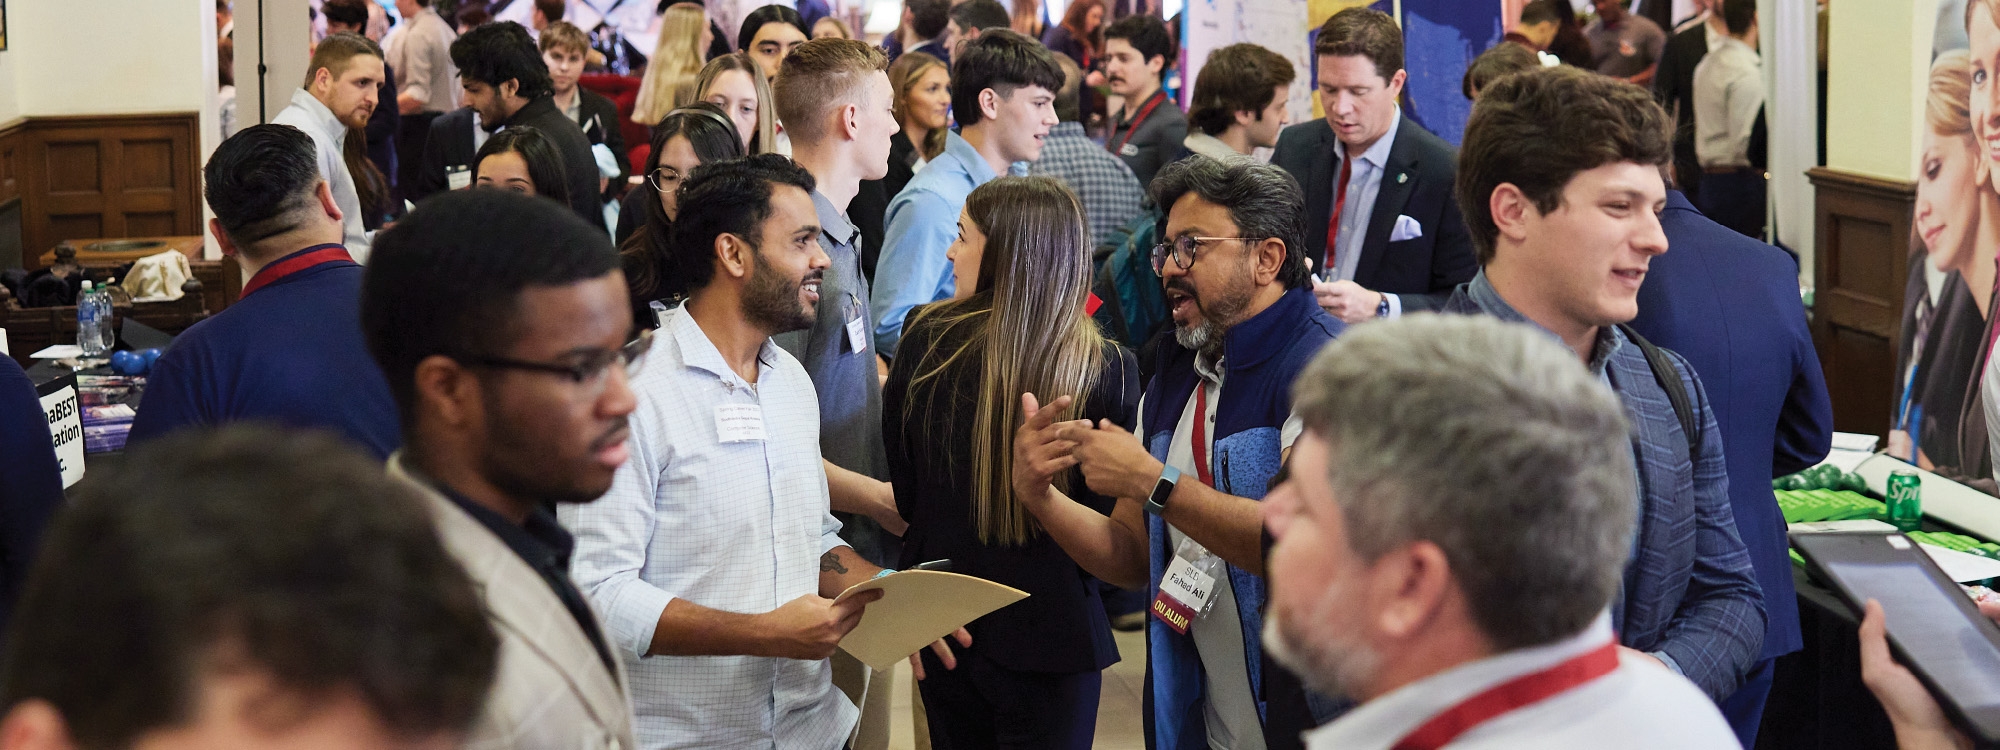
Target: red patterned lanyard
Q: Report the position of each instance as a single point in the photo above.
(1509, 696)
(1200, 442)
(299, 262)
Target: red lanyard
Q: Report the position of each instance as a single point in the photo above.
(1331, 268)
(1509, 696)
(1200, 443)
(1139, 119)
(299, 261)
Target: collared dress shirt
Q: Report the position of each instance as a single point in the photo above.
(1638, 706)
(1210, 146)
(921, 224)
(420, 51)
(329, 136)
(1364, 185)
(1728, 95)
(736, 526)
(1109, 192)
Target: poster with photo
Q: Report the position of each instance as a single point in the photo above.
(1939, 415)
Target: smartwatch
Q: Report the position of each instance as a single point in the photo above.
(1156, 503)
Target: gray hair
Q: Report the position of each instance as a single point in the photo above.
(1263, 200)
(1492, 441)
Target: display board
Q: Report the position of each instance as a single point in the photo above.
(1939, 420)
(1440, 39)
(1279, 25)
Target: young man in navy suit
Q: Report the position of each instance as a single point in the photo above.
(1730, 305)
(1382, 231)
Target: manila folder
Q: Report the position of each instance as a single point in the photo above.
(916, 608)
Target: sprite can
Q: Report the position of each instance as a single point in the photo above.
(1906, 506)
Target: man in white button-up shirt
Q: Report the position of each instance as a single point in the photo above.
(1457, 590)
(714, 558)
(339, 94)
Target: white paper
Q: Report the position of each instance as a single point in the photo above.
(59, 351)
(739, 423)
(1961, 566)
(1187, 584)
(857, 334)
(1845, 460)
(65, 415)
(1854, 441)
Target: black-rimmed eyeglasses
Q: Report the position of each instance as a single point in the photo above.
(583, 369)
(1183, 251)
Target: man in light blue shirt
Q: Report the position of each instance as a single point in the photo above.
(1003, 93)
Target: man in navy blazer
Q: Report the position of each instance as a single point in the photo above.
(1398, 222)
(1730, 305)
(1559, 182)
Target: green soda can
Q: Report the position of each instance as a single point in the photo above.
(1906, 505)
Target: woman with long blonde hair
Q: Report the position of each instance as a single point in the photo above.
(1015, 324)
(1938, 421)
(736, 83)
(675, 65)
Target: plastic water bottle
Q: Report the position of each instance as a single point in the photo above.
(93, 321)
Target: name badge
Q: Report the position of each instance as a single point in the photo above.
(739, 423)
(1188, 588)
(857, 326)
(458, 178)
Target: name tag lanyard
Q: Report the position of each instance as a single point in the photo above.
(1140, 119)
(1511, 696)
(1187, 589)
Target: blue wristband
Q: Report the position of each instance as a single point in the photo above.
(884, 572)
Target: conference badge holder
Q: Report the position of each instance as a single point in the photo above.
(1188, 588)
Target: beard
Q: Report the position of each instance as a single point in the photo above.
(1227, 303)
(771, 301)
(1334, 664)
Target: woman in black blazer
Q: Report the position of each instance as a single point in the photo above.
(1015, 325)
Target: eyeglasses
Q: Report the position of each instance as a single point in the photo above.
(587, 369)
(1183, 249)
(665, 179)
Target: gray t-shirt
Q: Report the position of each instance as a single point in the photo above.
(850, 391)
(1627, 49)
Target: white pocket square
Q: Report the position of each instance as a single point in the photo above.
(1406, 229)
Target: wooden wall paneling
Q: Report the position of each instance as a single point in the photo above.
(10, 168)
(108, 176)
(1860, 270)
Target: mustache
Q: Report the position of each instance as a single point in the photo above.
(1182, 285)
(819, 275)
(618, 432)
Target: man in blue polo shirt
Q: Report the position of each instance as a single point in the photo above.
(1003, 92)
(290, 351)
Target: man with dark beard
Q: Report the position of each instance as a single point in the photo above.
(715, 556)
(1456, 521)
(500, 321)
(1216, 423)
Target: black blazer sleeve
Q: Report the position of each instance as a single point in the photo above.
(1453, 261)
(430, 179)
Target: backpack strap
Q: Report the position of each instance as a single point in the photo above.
(1669, 378)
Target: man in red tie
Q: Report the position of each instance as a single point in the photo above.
(1382, 231)
(1460, 592)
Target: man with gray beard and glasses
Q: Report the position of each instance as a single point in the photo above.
(1456, 520)
(1215, 424)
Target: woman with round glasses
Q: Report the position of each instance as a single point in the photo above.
(686, 138)
(1015, 324)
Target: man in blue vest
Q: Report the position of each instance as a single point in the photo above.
(290, 351)
(1214, 426)
(1559, 181)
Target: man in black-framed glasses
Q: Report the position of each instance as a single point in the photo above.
(502, 324)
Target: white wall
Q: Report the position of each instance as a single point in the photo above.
(1879, 57)
(110, 56)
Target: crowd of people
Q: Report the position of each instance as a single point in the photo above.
(1379, 428)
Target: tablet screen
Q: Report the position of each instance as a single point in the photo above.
(1930, 628)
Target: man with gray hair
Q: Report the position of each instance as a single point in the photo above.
(1457, 517)
(1215, 423)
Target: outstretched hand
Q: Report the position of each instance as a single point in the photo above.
(1039, 454)
(943, 651)
(1114, 463)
